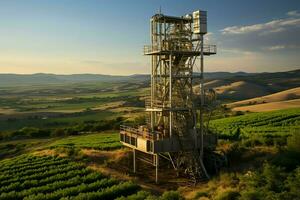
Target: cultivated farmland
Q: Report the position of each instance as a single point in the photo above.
(99, 141)
(276, 123)
(47, 177)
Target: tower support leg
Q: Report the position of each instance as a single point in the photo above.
(156, 168)
(202, 95)
(134, 161)
(204, 169)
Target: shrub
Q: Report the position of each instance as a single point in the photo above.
(229, 194)
(58, 132)
(273, 178)
(252, 194)
(201, 194)
(31, 132)
(293, 142)
(235, 151)
(171, 195)
(69, 150)
(141, 195)
(251, 142)
(238, 113)
(293, 184)
(269, 181)
(269, 141)
(287, 159)
(280, 141)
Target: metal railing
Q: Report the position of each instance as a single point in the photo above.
(150, 48)
(176, 104)
(211, 49)
(156, 103)
(207, 49)
(140, 132)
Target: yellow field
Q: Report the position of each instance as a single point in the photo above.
(270, 106)
(276, 97)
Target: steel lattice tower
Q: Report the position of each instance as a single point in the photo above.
(175, 129)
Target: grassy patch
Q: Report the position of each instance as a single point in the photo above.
(101, 141)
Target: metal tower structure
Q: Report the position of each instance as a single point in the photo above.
(175, 127)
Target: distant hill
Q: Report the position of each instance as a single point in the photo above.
(225, 75)
(277, 101)
(270, 106)
(285, 95)
(253, 85)
(276, 81)
(44, 79)
(216, 83)
(231, 86)
(241, 90)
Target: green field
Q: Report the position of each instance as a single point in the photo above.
(275, 123)
(32, 177)
(47, 177)
(101, 141)
(108, 140)
(64, 105)
(57, 121)
(17, 147)
(69, 97)
(55, 138)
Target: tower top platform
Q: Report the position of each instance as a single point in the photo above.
(162, 50)
(171, 19)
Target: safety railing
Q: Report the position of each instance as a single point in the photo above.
(207, 49)
(140, 132)
(210, 49)
(156, 103)
(178, 104)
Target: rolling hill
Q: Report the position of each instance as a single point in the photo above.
(285, 95)
(270, 106)
(44, 79)
(280, 100)
(243, 87)
(229, 86)
(216, 83)
(241, 90)
(7, 80)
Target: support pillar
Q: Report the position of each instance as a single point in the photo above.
(170, 94)
(134, 161)
(202, 94)
(156, 168)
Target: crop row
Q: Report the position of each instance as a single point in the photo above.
(66, 186)
(84, 173)
(30, 162)
(109, 193)
(57, 178)
(21, 160)
(36, 165)
(282, 123)
(39, 176)
(10, 174)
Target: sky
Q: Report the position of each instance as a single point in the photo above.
(107, 36)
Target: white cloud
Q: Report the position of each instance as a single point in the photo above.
(274, 26)
(280, 47)
(277, 47)
(293, 13)
(235, 51)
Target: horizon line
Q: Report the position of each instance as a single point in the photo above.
(45, 73)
